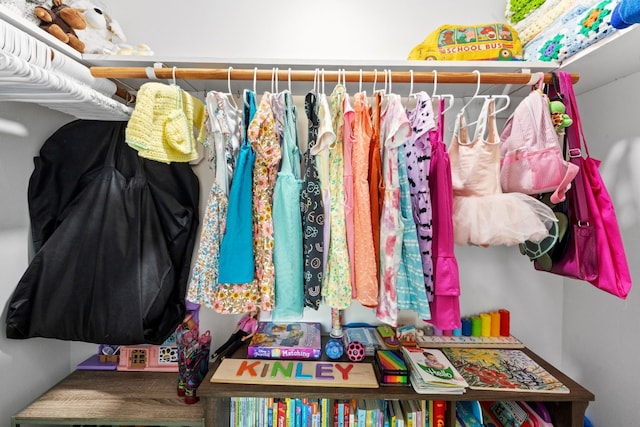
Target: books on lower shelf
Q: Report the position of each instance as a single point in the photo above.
(432, 372)
(296, 340)
(323, 412)
(502, 370)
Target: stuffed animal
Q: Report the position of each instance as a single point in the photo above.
(102, 34)
(558, 117)
(61, 21)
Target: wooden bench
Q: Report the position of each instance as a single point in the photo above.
(113, 398)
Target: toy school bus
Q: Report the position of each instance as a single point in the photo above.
(495, 41)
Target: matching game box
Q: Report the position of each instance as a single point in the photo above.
(297, 340)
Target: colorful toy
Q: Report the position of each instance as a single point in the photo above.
(558, 117)
(244, 331)
(388, 335)
(495, 41)
(334, 349)
(61, 21)
(356, 351)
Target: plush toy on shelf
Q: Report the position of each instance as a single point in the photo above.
(61, 21)
(103, 34)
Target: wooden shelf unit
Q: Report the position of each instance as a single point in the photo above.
(113, 398)
(567, 410)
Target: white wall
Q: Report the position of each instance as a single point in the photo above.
(27, 367)
(601, 342)
(293, 29)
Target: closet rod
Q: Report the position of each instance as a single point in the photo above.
(309, 75)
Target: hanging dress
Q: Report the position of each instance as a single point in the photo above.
(418, 160)
(312, 209)
(236, 250)
(482, 214)
(394, 131)
(222, 130)
(287, 223)
(236, 294)
(336, 288)
(412, 294)
(320, 150)
(347, 145)
(376, 183)
(445, 306)
(366, 273)
(264, 140)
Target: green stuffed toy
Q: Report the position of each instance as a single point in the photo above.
(558, 117)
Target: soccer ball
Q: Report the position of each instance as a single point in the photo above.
(334, 349)
(356, 351)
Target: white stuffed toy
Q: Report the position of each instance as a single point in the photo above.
(103, 34)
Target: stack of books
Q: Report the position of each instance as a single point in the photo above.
(431, 372)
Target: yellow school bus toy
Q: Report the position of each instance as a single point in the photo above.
(496, 41)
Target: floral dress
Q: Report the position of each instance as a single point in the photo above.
(264, 140)
(337, 285)
(221, 133)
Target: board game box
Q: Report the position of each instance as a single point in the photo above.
(297, 340)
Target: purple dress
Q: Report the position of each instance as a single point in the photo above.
(418, 161)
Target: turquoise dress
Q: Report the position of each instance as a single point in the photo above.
(410, 288)
(287, 223)
(236, 264)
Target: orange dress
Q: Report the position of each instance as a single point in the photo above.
(376, 184)
(366, 273)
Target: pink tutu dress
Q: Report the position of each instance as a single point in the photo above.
(482, 214)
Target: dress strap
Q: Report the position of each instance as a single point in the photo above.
(249, 111)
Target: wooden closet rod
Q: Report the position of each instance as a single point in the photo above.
(309, 75)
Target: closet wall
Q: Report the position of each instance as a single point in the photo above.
(600, 332)
(554, 318)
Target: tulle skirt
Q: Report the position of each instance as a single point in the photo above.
(500, 219)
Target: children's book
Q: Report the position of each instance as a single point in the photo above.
(468, 413)
(502, 369)
(433, 369)
(286, 341)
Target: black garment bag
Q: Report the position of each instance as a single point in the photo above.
(114, 242)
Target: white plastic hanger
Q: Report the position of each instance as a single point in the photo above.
(229, 93)
(475, 95)
(255, 78)
(434, 95)
(496, 98)
(411, 95)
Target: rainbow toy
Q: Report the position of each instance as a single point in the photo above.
(391, 367)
